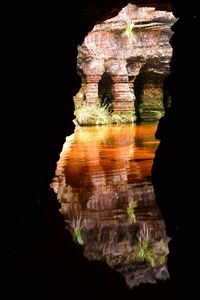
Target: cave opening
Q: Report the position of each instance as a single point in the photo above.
(105, 91)
(40, 251)
(151, 98)
(122, 63)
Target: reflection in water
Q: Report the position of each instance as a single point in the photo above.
(103, 184)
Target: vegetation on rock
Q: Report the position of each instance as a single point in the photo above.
(99, 115)
(131, 211)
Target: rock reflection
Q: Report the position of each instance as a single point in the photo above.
(103, 184)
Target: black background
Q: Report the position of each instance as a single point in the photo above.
(41, 48)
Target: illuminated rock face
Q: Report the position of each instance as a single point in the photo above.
(133, 44)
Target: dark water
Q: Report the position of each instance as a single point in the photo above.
(107, 199)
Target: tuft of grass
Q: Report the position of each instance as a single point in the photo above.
(75, 227)
(92, 115)
(148, 253)
(77, 236)
(129, 28)
(144, 251)
(131, 211)
(120, 118)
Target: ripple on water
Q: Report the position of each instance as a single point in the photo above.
(104, 187)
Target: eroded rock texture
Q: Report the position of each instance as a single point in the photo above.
(125, 60)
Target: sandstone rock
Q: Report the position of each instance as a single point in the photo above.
(134, 43)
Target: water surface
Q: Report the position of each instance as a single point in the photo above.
(104, 186)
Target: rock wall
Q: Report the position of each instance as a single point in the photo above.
(134, 43)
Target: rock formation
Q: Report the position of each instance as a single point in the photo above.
(132, 47)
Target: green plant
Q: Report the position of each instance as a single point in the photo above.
(129, 29)
(143, 247)
(107, 102)
(157, 114)
(147, 253)
(92, 114)
(119, 118)
(131, 211)
(143, 251)
(75, 229)
(77, 236)
(153, 253)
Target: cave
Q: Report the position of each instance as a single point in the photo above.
(42, 259)
(149, 96)
(105, 91)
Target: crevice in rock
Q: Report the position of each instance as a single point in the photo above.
(105, 91)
